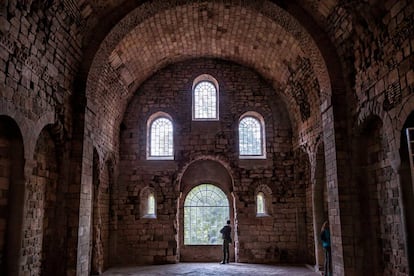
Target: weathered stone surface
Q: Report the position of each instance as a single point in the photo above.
(71, 72)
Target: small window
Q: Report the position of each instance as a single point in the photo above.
(151, 205)
(205, 98)
(251, 136)
(263, 201)
(260, 203)
(160, 137)
(148, 205)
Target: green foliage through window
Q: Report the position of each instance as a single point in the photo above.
(206, 210)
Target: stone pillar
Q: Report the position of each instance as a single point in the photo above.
(334, 184)
(85, 210)
(317, 213)
(18, 221)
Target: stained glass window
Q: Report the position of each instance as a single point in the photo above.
(206, 210)
(205, 101)
(250, 137)
(161, 138)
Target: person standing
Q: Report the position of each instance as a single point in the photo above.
(326, 244)
(226, 233)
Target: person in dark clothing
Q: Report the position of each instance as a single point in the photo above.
(226, 233)
(326, 244)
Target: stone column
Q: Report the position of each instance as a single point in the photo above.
(335, 152)
(317, 213)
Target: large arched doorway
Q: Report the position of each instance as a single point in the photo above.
(204, 207)
(11, 195)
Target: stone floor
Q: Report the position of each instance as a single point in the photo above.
(211, 269)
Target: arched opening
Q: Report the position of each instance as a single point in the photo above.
(44, 220)
(11, 195)
(407, 189)
(370, 187)
(215, 191)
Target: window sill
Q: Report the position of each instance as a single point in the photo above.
(160, 158)
(262, 215)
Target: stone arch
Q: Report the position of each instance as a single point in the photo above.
(217, 159)
(147, 10)
(369, 220)
(12, 196)
(374, 108)
(45, 214)
(106, 59)
(31, 129)
(203, 171)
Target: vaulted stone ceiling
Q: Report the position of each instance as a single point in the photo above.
(261, 35)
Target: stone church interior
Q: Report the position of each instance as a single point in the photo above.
(132, 130)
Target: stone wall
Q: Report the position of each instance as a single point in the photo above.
(375, 46)
(275, 238)
(41, 48)
(45, 242)
(39, 58)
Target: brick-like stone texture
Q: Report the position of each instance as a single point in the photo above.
(77, 64)
(270, 239)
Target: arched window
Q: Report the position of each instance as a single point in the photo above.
(252, 136)
(260, 204)
(206, 209)
(263, 201)
(160, 137)
(148, 204)
(151, 205)
(205, 98)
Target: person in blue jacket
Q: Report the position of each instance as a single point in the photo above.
(326, 244)
(226, 233)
